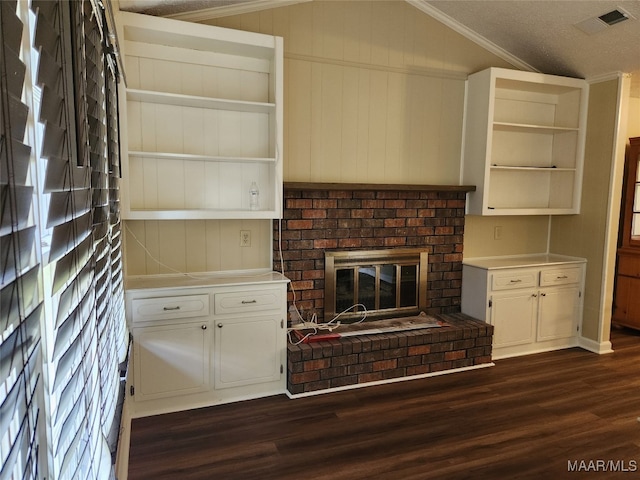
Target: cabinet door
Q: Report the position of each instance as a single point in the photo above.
(248, 351)
(513, 317)
(559, 312)
(627, 302)
(171, 360)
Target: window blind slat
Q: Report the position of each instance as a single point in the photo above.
(22, 197)
(15, 71)
(16, 250)
(21, 295)
(60, 177)
(20, 154)
(67, 206)
(11, 26)
(66, 236)
(74, 262)
(73, 295)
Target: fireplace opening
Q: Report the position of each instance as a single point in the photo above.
(384, 283)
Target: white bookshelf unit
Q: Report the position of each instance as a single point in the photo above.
(524, 142)
(203, 121)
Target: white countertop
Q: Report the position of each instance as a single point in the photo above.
(511, 261)
(204, 279)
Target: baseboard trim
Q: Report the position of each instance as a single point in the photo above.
(388, 381)
(601, 348)
(124, 441)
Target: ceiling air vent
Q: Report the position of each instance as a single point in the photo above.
(613, 17)
(604, 21)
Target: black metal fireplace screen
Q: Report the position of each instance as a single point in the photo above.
(386, 283)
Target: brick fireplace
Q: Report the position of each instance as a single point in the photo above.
(321, 217)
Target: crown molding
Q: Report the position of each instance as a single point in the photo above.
(233, 9)
(607, 76)
(425, 7)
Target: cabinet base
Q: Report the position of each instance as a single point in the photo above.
(180, 403)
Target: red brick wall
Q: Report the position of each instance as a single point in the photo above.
(319, 220)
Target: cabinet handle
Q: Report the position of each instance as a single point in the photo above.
(245, 302)
(168, 309)
(534, 295)
(515, 281)
(561, 277)
(543, 294)
(204, 327)
(219, 325)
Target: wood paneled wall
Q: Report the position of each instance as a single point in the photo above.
(374, 91)
(195, 246)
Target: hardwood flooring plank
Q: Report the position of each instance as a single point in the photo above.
(526, 417)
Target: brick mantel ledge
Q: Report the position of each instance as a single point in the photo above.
(377, 186)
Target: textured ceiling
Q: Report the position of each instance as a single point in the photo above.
(540, 33)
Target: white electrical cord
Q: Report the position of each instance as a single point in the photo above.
(195, 276)
(311, 324)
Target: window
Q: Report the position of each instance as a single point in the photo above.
(64, 335)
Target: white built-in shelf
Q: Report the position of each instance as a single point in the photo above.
(198, 214)
(524, 143)
(195, 101)
(201, 120)
(200, 158)
(542, 129)
(531, 168)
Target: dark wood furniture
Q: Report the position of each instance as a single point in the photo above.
(626, 304)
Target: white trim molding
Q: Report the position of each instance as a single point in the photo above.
(439, 15)
(232, 9)
(594, 346)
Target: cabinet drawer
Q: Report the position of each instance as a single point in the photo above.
(510, 280)
(238, 302)
(560, 276)
(160, 308)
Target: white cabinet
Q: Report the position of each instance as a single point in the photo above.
(534, 302)
(201, 120)
(206, 340)
(248, 351)
(559, 311)
(524, 142)
(513, 316)
(171, 360)
(171, 344)
(249, 336)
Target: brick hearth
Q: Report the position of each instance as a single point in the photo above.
(464, 342)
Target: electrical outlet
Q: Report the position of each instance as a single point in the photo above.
(497, 233)
(245, 238)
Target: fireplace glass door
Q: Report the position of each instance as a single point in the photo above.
(384, 283)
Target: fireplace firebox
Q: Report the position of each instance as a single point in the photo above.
(382, 283)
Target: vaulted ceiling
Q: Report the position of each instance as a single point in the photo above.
(540, 35)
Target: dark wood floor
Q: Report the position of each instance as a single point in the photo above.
(527, 417)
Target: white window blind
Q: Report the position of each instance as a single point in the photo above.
(20, 301)
(63, 334)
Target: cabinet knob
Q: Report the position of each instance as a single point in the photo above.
(219, 325)
(534, 295)
(204, 327)
(543, 294)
